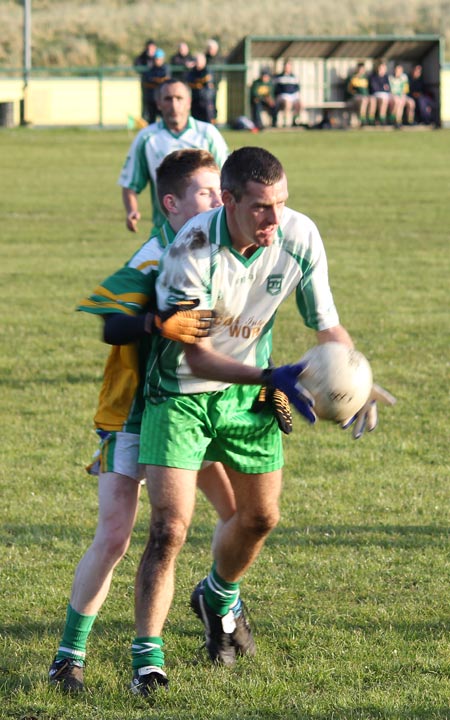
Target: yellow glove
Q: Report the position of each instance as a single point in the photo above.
(278, 402)
(182, 323)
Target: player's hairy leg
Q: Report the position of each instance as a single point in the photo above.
(117, 507)
(239, 540)
(172, 498)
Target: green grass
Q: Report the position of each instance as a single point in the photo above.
(349, 597)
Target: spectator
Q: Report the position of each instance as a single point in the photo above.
(144, 61)
(183, 58)
(425, 105)
(262, 98)
(380, 89)
(404, 104)
(214, 58)
(176, 131)
(201, 83)
(359, 99)
(287, 96)
(152, 79)
(212, 53)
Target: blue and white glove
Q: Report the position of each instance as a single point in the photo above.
(286, 379)
(367, 417)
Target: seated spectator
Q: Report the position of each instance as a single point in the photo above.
(286, 90)
(183, 58)
(360, 102)
(262, 98)
(425, 104)
(380, 89)
(404, 104)
(201, 83)
(152, 79)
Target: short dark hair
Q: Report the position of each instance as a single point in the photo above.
(172, 81)
(174, 173)
(249, 164)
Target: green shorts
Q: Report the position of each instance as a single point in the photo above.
(184, 430)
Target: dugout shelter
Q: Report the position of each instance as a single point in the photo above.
(323, 64)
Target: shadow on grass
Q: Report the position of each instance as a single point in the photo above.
(384, 536)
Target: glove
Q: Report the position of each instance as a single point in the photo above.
(367, 417)
(277, 401)
(286, 379)
(182, 323)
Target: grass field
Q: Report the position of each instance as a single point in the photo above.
(350, 596)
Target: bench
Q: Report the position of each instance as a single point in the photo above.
(334, 113)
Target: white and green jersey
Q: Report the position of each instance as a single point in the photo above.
(129, 291)
(245, 293)
(154, 142)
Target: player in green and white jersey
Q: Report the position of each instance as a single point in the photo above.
(241, 261)
(188, 183)
(176, 131)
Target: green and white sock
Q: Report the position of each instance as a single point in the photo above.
(147, 651)
(76, 633)
(220, 595)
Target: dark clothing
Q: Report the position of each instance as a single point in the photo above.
(379, 83)
(143, 60)
(182, 64)
(151, 80)
(261, 98)
(425, 105)
(285, 83)
(202, 87)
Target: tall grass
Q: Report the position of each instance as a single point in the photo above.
(111, 32)
(349, 598)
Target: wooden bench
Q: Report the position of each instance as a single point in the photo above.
(335, 113)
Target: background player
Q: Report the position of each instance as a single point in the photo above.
(176, 130)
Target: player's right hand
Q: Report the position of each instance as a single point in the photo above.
(182, 323)
(132, 220)
(287, 379)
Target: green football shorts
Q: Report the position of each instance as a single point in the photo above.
(184, 430)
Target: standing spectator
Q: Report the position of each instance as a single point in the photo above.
(177, 130)
(144, 61)
(201, 83)
(286, 90)
(404, 104)
(359, 99)
(152, 79)
(262, 98)
(214, 58)
(425, 104)
(182, 59)
(380, 89)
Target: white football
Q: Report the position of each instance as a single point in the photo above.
(339, 379)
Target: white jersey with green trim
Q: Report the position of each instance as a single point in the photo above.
(245, 293)
(154, 142)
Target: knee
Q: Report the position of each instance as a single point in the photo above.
(261, 524)
(113, 542)
(167, 537)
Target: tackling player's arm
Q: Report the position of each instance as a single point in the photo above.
(181, 323)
